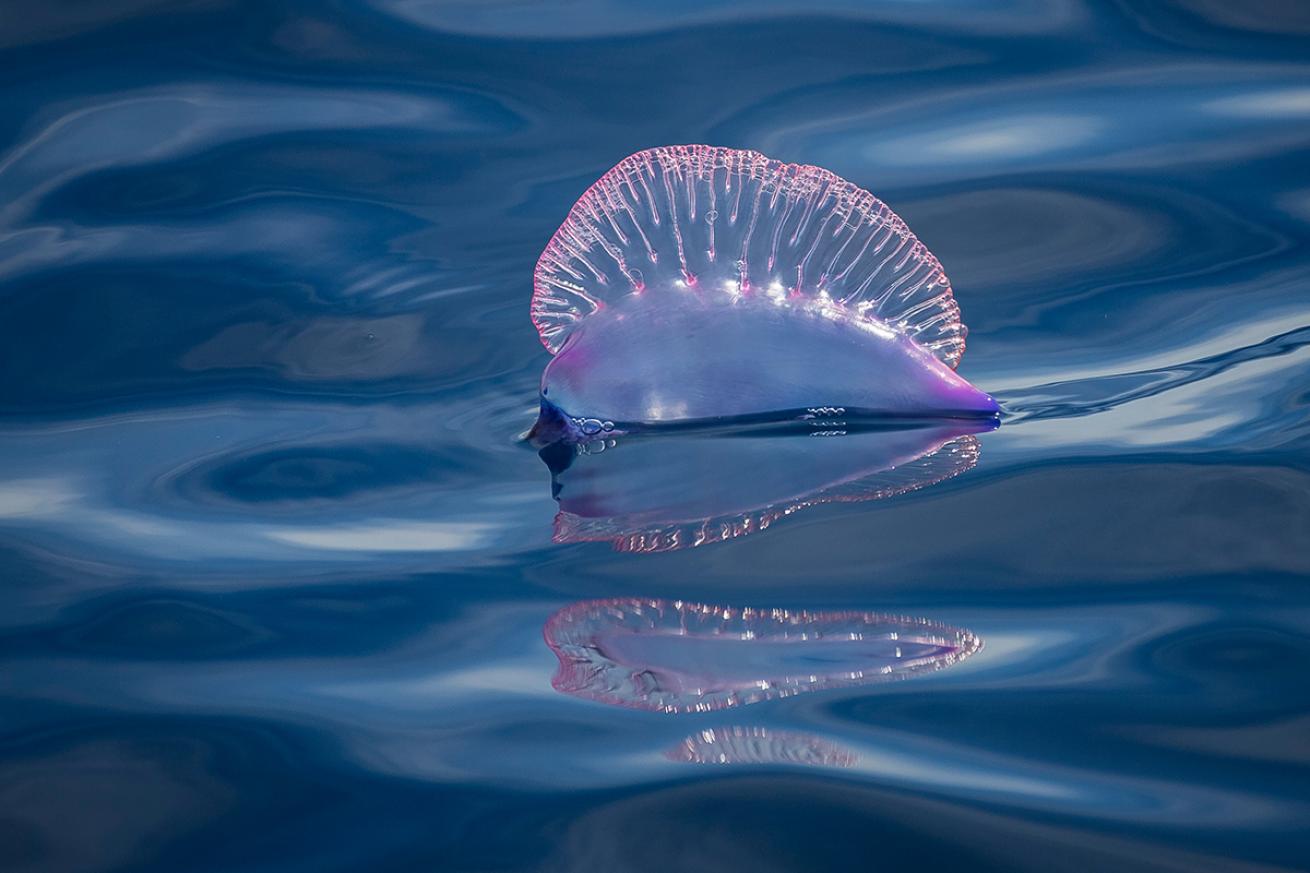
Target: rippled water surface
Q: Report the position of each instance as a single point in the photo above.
(278, 569)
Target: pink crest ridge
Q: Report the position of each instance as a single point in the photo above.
(733, 226)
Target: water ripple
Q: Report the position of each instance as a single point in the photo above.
(277, 562)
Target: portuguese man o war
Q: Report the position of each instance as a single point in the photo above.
(674, 656)
(644, 494)
(695, 284)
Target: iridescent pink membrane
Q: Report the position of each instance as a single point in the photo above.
(699, 283)
(674, 656)
(758, 745)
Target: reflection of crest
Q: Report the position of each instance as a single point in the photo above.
(758, 745)
(673, 656)
(668, 492)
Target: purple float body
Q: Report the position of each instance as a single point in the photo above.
(648, 365)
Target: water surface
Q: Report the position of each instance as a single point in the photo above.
(276, 564)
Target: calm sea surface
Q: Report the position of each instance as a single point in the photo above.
(276, 568)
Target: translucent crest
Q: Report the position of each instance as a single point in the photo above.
(674, 656)
(699, 223)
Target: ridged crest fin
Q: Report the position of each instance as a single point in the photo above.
(729, 225)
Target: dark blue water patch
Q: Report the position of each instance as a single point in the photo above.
(1103, 236)
(1229, 663)
(358, 166)
(316, 472)
(103, 336)
(144, 620)
(803, 822)
(167, 793)
(163, 628)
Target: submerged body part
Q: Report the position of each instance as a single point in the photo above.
(680, 491)
(758, 745)
(674, 656)
(694, 283)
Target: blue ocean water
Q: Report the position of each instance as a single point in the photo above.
(275, 562)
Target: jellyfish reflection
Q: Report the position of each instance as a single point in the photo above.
(652, 494)
(674, 656)
(758, 745)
